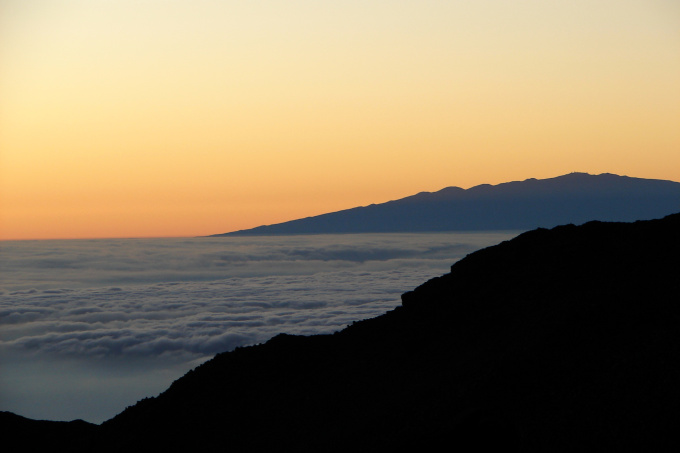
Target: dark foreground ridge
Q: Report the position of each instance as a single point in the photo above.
(558, 340)
(519, 205)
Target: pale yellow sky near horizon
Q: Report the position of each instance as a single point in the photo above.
(184, 118)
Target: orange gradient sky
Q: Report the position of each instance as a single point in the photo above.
(182, 118)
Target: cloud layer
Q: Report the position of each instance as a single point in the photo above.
(176, 302)
(189, 318)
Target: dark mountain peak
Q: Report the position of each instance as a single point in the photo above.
(450, 191)
(445, 193)
(517, 205)
(483, 188)
(581, 175)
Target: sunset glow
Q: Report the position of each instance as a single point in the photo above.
(185, 118)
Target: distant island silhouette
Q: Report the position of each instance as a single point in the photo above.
(564, 339)
(520, 205)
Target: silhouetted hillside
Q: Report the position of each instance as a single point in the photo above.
(44, 435)
(520, 205)
(563, 339)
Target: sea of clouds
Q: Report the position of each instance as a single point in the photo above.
(88, 327)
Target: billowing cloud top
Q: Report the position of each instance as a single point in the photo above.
(181, 301)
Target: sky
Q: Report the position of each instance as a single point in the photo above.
(158, 118)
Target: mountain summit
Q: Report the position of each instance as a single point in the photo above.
(521, 205)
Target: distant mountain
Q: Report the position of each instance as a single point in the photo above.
(42, 435)
(520, 205)
(558, 340)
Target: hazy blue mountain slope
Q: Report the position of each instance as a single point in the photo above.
(521, 205)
